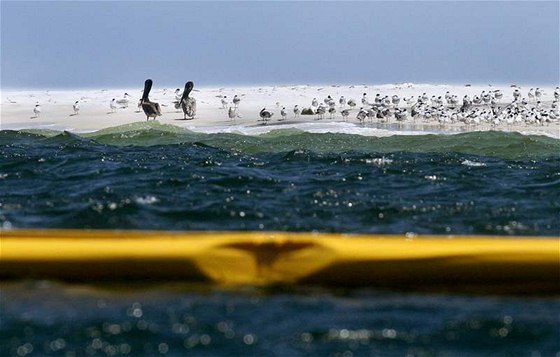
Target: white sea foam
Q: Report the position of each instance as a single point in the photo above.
(473, 163)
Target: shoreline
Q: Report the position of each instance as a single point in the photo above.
(95, 112)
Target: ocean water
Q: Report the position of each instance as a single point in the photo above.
(153, 176)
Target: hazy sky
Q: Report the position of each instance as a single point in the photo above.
(109, 44)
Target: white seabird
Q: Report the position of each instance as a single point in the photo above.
(37, 110)
(76, 107)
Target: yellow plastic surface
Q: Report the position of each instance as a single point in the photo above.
(516, 264)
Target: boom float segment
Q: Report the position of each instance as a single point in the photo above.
(478, 263)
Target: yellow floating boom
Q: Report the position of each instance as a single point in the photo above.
(480, 263)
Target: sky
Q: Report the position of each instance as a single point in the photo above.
(109, 44)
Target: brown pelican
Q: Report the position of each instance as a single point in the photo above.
(188, 103)
(151, 109)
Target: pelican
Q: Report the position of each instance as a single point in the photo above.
(265, 115)
(151, 109)
(76, 107)
(188, 104)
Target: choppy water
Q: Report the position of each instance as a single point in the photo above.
(152, 176)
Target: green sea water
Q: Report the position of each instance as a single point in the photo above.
(154, 176)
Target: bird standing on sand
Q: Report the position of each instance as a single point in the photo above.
(538, 93)
(37, 110)
(345, 113)
(342, 101)
(320, 112)
(362, 114)
(283, 113)
(76, 107)
(395, 100)
(516, 94)
(296, 111)
(188, 104)
(236, 101)
(232, 113)
(113, 105)
(365, 99)
(265, 115)
(314, 103)
(224, 102)
(332, 112)
(123, 102)
(351, 103)
(151, 109)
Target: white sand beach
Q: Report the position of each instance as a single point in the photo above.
(535, 114)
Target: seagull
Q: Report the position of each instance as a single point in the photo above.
(283, 113)
(188, 104)
(410, 100)
(315, 103)
(498, 94)
(332, 111)
(296, 111)
(123, 102)
(113, 105)
(265, 115)
(345, 113)
(151, 109)
(37, 110)
(76, 107)
(362, 114)
(531, 95)
(538, 93)
(364, 99)
(395, 100)
(516, 94)
(224, 102)
(232, 114)
(320, 112)
(351, 103)
(236, 101)
(342, 101)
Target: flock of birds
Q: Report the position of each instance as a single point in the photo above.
(484, 108)
(151, 109)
